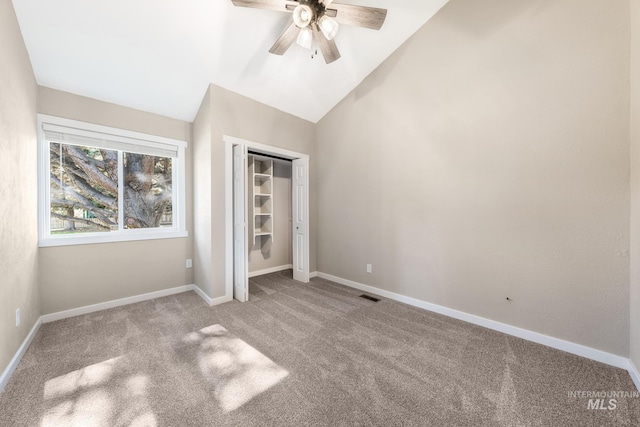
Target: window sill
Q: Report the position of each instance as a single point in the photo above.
(111, 237)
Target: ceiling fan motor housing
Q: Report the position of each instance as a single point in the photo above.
(315, 8)
(319, 21)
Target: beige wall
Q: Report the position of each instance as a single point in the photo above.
(488, 158)
(635, 183)
(75, 276)
(235, 115)
(202, 205)
(280, 253)
(18, 189)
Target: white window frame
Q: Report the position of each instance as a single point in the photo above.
(179, 229)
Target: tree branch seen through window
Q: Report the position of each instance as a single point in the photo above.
(85, 187)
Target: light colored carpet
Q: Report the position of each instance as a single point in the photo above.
(296, 355)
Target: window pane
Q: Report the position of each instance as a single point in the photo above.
(84, 189)
(147, 191)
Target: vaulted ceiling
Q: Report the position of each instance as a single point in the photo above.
(160, 55)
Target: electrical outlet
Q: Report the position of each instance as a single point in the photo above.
(189, 263)
(17, 317)
(369, 269)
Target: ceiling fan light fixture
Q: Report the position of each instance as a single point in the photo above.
(305, 37)
(328, 26)
(303, 15)
(313, 24)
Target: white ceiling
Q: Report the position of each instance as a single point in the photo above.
(160, 55)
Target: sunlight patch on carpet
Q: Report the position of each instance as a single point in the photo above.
(237, 371)
(104, 394)
(89, 376)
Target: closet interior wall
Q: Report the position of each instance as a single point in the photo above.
(265, 255)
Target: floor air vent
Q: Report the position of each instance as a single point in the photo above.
(369, 298)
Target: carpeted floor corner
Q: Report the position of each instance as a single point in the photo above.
(298, 355)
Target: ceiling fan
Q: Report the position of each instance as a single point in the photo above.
(317, 20)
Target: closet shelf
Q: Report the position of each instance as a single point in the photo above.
(261, 205)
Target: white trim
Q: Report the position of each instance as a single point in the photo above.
(211, 301)
(573, 348)
(270, 270)
(177, 230)
(141, 138)
(120, 199)
(6, 375)
(228, 219)
(635, 375)
(48, 318)
(52, 317)
(281, 152)
(111, 237)
(179, 177)
(569, 347)
(229, 142)
(202, 295)
(300, 272)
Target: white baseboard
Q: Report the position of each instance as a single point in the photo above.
(211, 301)
(46, 318)
(569, 347)
(270, 270)
(577, 349)
(52, 317)
(4, 379)
(635, 375)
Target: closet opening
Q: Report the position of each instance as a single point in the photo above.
(267, 213)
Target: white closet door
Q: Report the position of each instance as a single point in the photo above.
(300, 207)
(240, 265)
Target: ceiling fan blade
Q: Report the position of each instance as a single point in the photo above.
(279, 5)
(327, 47)
(326, 3)
(286, 40)
(360, 16)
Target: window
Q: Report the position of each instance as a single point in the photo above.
(100, 184)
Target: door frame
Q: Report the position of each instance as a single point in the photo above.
(229, 142)
(240, 238)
